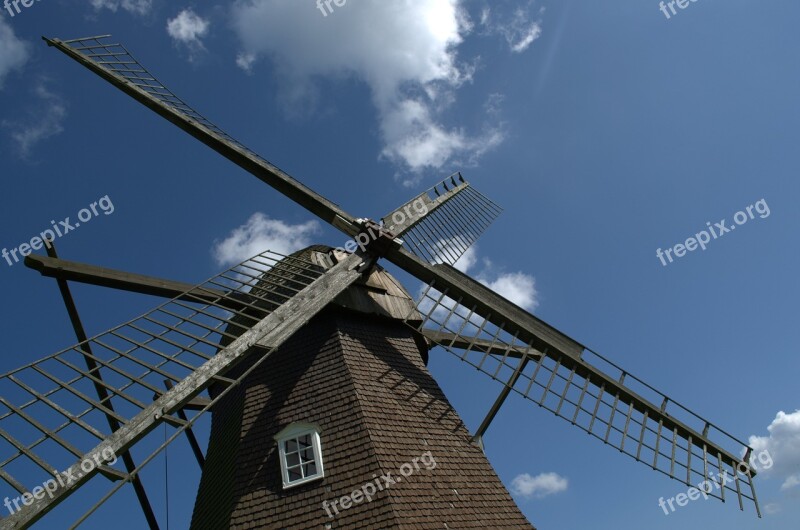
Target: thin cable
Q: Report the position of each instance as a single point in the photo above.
(166, 474)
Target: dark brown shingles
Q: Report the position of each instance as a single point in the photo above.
(362, 380)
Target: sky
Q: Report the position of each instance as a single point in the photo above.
(609, 132)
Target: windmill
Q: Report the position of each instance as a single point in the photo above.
(311, 360)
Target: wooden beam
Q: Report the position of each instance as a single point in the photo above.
(451, 340)
(125, 281)
(269, 333)
(223, 144)
(555, 344)
(102, 393)
(409, 222)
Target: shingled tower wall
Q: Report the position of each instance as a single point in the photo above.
(361, 377)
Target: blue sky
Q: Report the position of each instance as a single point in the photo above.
(606, 130)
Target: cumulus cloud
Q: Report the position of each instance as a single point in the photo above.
(519, 26)
(188, 29)
(139, 7)
(540, 486)
(467, 260)
(405, 51)
(260, 233)
(14, 51)
(517, 287)
(783, 444)
(43, 121)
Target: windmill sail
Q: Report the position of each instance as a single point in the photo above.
(579, 385)
(48, 404)
(526, 354)
(440, 224)
(112, 62)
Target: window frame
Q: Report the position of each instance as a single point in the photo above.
(294, 432)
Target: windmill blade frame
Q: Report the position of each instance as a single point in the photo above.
(441, 223)
(500, 339)
(272, 311)
(115, 64)
(521, 336)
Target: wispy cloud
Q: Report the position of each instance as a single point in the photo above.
(260, 233)
(520, 27)
(139, 7)
(406, 52)
(540, 486)
(188, 29)
(13, 51)
(44, 120)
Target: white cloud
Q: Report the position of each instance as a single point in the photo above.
(188, 28)
(13, 51)
(261, 233)
(404, 50)
(518, 28)
(139, 7)
(783, 446)
(517, 287)
(467, 260)
(245, 61)
(540, 486)
(791, 482)
(43, 121)
(772, 508)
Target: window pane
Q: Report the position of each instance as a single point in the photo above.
(310, 469)
(305, 441)
(294, 474)
(308, 454)
(292, 459)
(291, 446)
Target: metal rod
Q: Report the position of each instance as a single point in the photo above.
(198, 452)
(578, 406)
(102, 395)
(499, 401)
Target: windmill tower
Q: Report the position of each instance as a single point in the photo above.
(313, 366)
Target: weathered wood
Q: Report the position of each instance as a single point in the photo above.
(534, 331)
(125, 281)
(484, 426)
(543, 337)
(244, 158)
(270, 333)
(460, 342)
(102, 393)
(430, 204)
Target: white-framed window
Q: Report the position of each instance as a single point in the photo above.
(300, 453)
